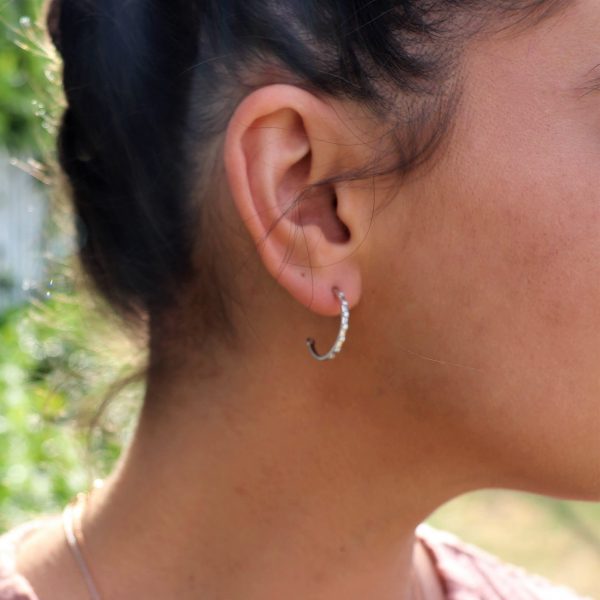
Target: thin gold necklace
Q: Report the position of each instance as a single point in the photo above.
(72, 518)
(417, 585)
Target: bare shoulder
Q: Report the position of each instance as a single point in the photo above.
(35, 562)
(13, 585)
(470, 573)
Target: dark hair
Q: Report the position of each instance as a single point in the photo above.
(150, 85)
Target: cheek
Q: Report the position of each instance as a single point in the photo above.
(525, 227)
(529, 255)
(495, 279)
(504, 265)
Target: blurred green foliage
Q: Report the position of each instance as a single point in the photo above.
(40, 462)
(53, 379)
(47, 368)
(25, 71)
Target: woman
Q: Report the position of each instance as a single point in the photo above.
(419, 179)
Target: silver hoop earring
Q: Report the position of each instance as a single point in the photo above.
(341, 338)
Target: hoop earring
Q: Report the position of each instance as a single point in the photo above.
(341, 338)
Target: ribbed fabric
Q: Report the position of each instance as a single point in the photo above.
(470, 573)
(467, 572)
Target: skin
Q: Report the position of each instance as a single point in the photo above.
(471, 361)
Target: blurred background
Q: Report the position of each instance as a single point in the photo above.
(69, 380)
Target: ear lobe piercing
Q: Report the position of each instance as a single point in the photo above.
(341, 338)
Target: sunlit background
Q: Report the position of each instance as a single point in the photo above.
(69, 389)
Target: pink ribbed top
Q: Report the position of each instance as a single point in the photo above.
(467, 572)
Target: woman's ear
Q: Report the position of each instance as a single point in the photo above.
(281, 140)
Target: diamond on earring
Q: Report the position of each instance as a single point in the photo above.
(341, 338)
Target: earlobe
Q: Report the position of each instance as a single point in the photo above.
(279, 142)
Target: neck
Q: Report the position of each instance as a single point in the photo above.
(247, 488)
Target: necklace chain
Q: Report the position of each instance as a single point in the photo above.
(417, 585)
(72, 519)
